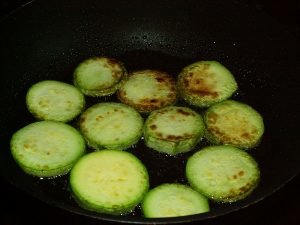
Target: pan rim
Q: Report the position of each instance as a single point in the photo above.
(136, 220)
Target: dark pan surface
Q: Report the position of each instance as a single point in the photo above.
(47, 39)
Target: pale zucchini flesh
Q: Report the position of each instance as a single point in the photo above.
(173, 200)
(47, 148)
(234, 123)
(109, 181)
(223, 173)
(148, 90)
(111, 126)
(205, 83)
(173, 130)
(99, 76)
(54, 100)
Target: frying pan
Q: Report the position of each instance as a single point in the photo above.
(47, 39)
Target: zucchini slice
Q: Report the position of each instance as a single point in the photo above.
(99, 76)
(222, 173)
(111, 126)
(147, 90)
(109, 181)
(234, 123)
(173, 130)
(54, 100)
(173, 200)
(204, 83)
(47, 148)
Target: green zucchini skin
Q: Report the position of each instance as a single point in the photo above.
(173, 130)
(205, 83)
(47, 148)
(54, 100)
(223, 173)
(109, 181)
(99, 76)
(148, 90)
(233, 123)
(173, 200)
(111, 126)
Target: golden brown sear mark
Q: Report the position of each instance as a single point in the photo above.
(197, 86)
(112, 62)
(183, 112)
(153, 127)
(241, 173)
(160, 79)
(212, 117)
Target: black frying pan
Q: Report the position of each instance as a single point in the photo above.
(47, 39)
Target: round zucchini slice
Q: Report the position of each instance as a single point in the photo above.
(147, 90)
(109, 181)
(47, 148)
(233, 123)
(222, 173)
(54, 100)
(205, 83)
(99, 76)
(111, 126)
(173, 200)
(173, 130)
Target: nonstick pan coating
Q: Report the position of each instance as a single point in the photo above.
(47, 39)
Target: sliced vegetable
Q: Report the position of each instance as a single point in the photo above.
(109, 181)
(234, 123)
(172, 200)
(222, 173)
(111, 126)
(205, 83)
(148, 90)
(47, 148)
(173, 130)
(54, 100)
(99, 76)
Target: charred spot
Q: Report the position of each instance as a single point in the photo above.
(234, 176)
(153, 127)
(153, 100)
(181, 111)
(197, 81)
